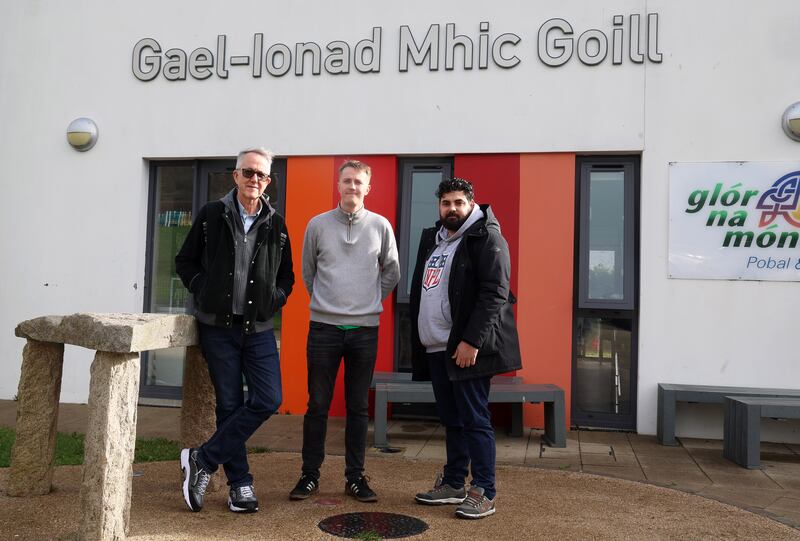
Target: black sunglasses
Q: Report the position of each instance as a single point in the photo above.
(248, 173)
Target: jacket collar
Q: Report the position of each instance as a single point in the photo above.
(232, 205)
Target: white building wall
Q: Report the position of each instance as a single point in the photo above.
(77, 221)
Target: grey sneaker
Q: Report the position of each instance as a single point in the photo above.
(195, 479)
(242, 500)
(476, 505)
(441, 493)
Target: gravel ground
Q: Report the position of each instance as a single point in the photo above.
(531, 504)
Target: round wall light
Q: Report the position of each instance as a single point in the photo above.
(791, 121)
(82, 134)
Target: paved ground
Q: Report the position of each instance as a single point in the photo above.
(570, 504)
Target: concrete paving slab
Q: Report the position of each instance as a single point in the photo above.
(787, 481)
(678, 477)
(626, 459)
(511, 450)
(753, 498)
(603, 437)
(697, 443)
(788, 509)
(744, 480)
(599, 459)
(595, 448)
(619, 472)
(661, 460)
(776, 448)
(556, 464)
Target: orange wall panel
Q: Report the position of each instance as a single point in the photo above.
(308, 193)
(546, 251)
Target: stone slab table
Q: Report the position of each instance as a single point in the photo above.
(113, 396)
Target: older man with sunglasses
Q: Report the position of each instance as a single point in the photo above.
(237, 262)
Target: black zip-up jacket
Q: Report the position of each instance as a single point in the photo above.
(206, 265)
(481, 303)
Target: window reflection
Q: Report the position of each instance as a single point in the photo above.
(424, 213)
(606, 235)
(173, 218)
(603, 365)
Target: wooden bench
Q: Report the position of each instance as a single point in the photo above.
(514, 392)
(742, 439)
(669, 394)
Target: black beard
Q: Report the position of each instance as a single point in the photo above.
(453, 225)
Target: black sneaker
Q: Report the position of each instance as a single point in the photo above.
(304, 488)
(195, 479)
(242, 500)
(359, 489)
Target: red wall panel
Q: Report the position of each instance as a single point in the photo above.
(495, 178)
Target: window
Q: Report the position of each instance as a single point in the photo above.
(178, 189)
(419, 210)
(606, 291)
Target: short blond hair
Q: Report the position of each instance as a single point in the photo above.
(357, 165)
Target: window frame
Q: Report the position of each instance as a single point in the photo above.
(586, 167)
(627, 308)
(200, 171)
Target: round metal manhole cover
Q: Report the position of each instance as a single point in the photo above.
(379, 525)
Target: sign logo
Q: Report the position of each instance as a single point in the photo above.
(782, 199)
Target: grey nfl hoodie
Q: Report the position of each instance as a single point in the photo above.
(434, 323)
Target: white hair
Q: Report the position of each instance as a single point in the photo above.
(261, 151)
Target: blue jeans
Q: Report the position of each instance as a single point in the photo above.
(230, 354)
(326, 347)
(463, 408)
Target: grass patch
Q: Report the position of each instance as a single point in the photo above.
(6, 441)
(69, 449)
(368, 536)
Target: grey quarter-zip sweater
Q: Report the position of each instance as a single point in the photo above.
(350, 264)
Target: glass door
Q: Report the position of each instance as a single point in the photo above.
(178, 190)
(606, 294)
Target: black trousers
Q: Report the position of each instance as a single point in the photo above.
(326, 347)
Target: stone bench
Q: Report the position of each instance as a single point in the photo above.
(742, 433)
(118, 339)
(514, 393)
(669, 394)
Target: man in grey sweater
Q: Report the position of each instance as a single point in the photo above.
(350, 265)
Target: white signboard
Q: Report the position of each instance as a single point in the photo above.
(734, 221)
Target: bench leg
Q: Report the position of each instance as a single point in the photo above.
(665, 422)
(742, 434)
(516, 420)
(110, 441)
(37, 413)
(555, 422)
(381, 412)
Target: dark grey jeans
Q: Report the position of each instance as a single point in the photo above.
(326, 347)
